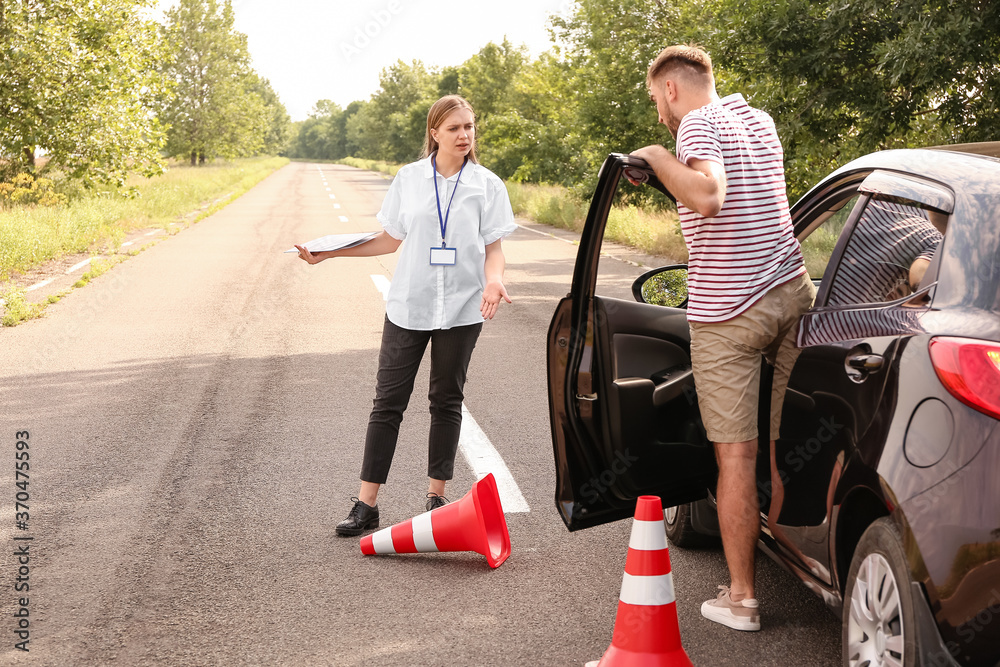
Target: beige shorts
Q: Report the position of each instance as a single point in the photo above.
(726, 355)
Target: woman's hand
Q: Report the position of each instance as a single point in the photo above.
(308, 256)
(494, 292)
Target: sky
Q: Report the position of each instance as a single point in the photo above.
(334, 49)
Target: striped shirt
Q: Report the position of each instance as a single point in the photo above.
(886, 241)
(749, 247)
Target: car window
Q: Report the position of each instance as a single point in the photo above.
(889, 249)
(640, 236)
(823, 232)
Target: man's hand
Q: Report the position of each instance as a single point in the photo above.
(494, 292)
(651, 154)
(700, 185)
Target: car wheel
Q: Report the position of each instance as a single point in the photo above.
(679, 529)
(879, 617)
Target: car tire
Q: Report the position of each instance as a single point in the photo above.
(681, 532)
(879, 623)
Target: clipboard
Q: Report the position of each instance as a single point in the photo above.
(336, 242)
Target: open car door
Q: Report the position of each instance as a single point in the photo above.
(623, 408)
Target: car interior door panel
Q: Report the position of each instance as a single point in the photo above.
(643, 355)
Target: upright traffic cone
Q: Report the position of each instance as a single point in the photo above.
(474, 523)
(646, 631)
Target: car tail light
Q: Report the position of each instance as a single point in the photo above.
(970, 370)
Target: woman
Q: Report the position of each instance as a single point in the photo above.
(453, 214)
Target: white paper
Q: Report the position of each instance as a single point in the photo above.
(336, 242)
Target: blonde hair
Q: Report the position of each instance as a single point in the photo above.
(690, 62)
(437, 114)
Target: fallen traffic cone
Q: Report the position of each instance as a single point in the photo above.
(646, 631)
(474, 523)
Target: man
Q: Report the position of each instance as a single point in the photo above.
(888, 253)
(747, 285)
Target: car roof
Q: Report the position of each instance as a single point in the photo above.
(984, 148)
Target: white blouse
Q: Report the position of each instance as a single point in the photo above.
(423, 296)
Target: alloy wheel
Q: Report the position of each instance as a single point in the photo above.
(875, 625)
(670, 514)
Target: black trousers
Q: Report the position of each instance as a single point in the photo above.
(398, 361)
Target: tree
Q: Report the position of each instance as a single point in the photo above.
(279, 130)
(846, 77)
(78, 81)
(323, 135)
(217, 108)
(534, 137)
(392, 126)
(485, 78)
(609, 45)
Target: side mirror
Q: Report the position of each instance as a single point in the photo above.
(666, 286)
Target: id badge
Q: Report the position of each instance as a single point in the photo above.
(443, 256)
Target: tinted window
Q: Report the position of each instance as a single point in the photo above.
(890, 246)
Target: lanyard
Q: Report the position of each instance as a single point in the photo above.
(443, 221)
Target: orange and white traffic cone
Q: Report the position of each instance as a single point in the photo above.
(646, 630)
(474, 523)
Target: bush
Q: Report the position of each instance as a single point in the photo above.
(26, 190)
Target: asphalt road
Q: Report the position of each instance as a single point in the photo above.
(196, 418)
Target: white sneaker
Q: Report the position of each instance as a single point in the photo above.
(742, 615)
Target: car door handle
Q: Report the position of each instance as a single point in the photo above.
(860, 366)
(868, 363)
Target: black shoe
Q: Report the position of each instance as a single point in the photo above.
(362, 517)
(435, 501)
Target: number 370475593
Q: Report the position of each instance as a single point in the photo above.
(22, 457)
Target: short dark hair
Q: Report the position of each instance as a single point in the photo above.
(691, 61)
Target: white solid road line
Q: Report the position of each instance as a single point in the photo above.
(381, 284)
(483, 458)
(78, 266)
(476, 448)
(127, 243)
(553, 236)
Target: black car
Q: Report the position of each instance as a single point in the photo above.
(883, 493)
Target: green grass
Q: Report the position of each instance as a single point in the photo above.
(370, 165)
(17, 309)
(100, 219)
(98, 267)
(653, 232)
(818, 247)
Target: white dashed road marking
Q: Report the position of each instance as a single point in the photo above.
(38, 285)
(78, 266)
(343, 218)
(381, 284)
